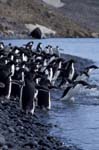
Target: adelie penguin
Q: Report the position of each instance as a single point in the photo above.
(73, 89)
(89, 69)
(67, 72)
(27, 93)
(29, 45)
(39, 47)
(44, 100)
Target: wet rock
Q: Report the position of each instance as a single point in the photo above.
(11, 130)
(10, 145)
(2, 140)
(36, 33)
(81, 34)
(5, 147)
(29, 144)
(95, 35)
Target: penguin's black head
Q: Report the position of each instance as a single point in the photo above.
(39, 43)
(71, 61)
(60, 60)
(44, 82)
(93, 67)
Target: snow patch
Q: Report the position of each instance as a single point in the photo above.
(55, 3)
(45, 31)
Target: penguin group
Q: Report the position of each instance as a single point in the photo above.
(28, 74)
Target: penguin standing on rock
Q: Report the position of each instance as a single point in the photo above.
(27, 94)
(43, 96)
(29, 45)
(39, 47)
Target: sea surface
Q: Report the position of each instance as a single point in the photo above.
(75, 123)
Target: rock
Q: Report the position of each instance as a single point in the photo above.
(10, 145)
(2, 140)
(11, 130)
(95, 35)
(79, 34)
(36, 33)
(5, 147)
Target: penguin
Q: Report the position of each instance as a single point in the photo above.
(67, 72)
(39, 47)
(89, 69)
(82, 75)
(56, 51)
(49, 72)
(56, 70)
(4, 79)
(29, 45)
(27, 93)
(43, 97)
(12, 71)
(2, 45)
(72, 89)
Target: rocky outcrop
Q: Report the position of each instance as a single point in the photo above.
(36, 33)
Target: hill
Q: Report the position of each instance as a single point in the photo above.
(16, 16)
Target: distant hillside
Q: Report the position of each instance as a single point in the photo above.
(14, 14)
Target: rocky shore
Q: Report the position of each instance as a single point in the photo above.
(20, 131)
(17, 16)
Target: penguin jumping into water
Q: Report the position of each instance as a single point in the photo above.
(72, 89)
(67, 72)
(89, 69)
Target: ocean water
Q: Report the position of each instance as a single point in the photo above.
(77, 122)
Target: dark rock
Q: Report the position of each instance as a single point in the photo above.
(11, 130)
(10, 145)
(36, 33)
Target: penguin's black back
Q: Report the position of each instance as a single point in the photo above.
(43, 98)
(28, 95)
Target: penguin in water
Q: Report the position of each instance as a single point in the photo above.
(72, 89)
(82, 75)
(89, 69)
